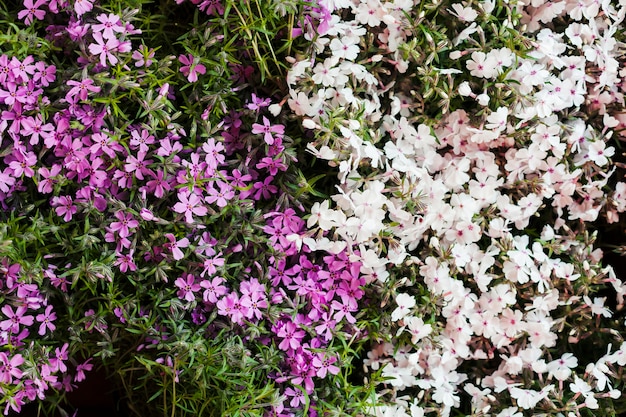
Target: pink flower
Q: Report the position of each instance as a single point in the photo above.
(143, 56)
(191, 68)
(231, 306)
(46, 320)
(125, 223)
(47, 181)
(9, 367)
(188, 287)
(267, 129)
(175, 245)
(344, 309)
(324, 365)
(105, 49)
(31, 11)
(254, 302)
(23, 69)
(291, 336)
(81, 88)
(80, 370)
(108, 25)
(273, 165)
(189, 204)
(265, 188)
(82, 6)
(125, 262)
(35, 127)
(141, 139)
(15, 319)
(222, 196)
(213, 289)
(211, 264)
(64, 207)
(158, 185)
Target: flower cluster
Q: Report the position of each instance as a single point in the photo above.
(474, 215)
(204, 197)
(161, 228)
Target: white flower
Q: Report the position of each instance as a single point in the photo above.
(482, 65)
(465, 14)
(510, 412)
(346, 48)
(465, 89)
(321, 215)
(483, 99)
(417, 328)
(326, 73)
(369, 12)
(528, 398)
(598, 152)
(580, 386)
(561, 368)
(497, 119)
(597, 306)
(405, 303)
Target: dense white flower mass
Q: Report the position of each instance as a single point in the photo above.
(482, 204)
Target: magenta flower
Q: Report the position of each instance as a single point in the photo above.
(64, 207)
(222, 196)
(188, 287)
(189, 204)
(23, 164)
(81, 369)
(9, 367)
(265, 188)
(230, 306)
(211, 7)
(138, 165)
(324, 365)
(44, 74)
(58, 362)
(35, 127)
(253, 303)
(125, 223)
(273, 165)
(291, 336)
(191, 68)
(326, 326)
(213, 289)
(141, 139)
(125, 262)
(15, 319)
(345, 308)
(211, 264)
(213, 150)
(267, 129)
(297, 396)
(175, 245)
(12, 94)
(258, 103)
(81, 88)
(23, 69)
(143, 56)
(159, 185)
(46, 320)
(103, 143)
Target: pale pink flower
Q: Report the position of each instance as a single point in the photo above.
(104, 48)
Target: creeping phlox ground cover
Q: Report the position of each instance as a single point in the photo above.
(291, 208)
